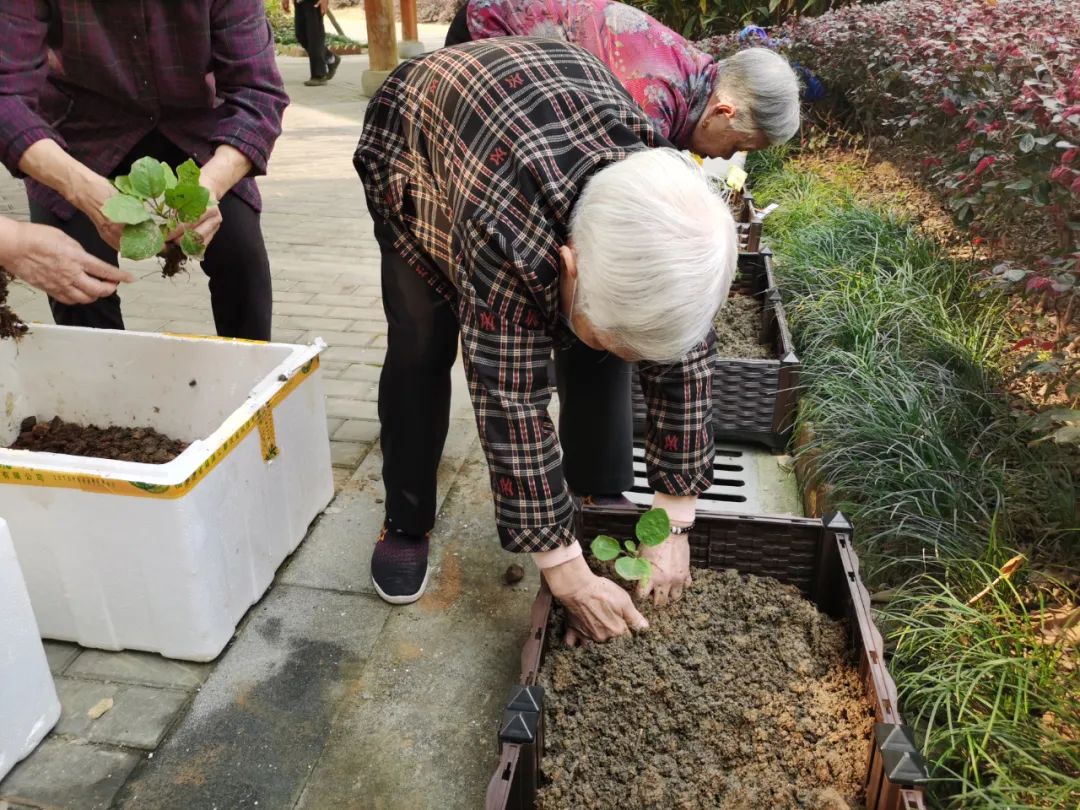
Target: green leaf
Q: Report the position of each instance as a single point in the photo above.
(146, 178)
(125, 209)
(631, 546)
(1020, 185)
(1041, 194)
(653, 528)
(192, 244)
(189, 199)
(141, 241)
(605, 548)
(188, 172)
(123, 185)
(1027, 142)
(633, 568)
(170, 176)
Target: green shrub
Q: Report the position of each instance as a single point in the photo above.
(695, 19)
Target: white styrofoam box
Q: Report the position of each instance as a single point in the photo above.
(29, 706)
(161, 557)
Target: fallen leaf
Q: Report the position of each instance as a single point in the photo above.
(100, 708)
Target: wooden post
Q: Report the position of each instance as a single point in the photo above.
(410, 44)
(409, 30)
(382, 43)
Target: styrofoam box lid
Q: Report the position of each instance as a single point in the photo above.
(197, 389)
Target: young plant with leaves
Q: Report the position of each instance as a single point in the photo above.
(652, 529)
(154, 201)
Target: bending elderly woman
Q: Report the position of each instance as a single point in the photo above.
(745, 102)
(517, 203)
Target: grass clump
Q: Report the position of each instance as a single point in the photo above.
(903, 420)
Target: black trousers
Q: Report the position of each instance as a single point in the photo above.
(235, 262)
(595, 422)
(459, 28)
(311, 34)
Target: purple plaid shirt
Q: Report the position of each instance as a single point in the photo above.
(97, 76)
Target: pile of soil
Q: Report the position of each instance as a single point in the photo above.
(739, 696)
(737, 326)
(11, 325)
(144, 445)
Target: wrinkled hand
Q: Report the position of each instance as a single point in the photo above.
(599, 609)
(55, 263)
(89, 196)
(670, 570)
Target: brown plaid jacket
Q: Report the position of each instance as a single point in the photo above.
(475, 156)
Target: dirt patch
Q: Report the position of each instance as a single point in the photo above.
(144, 445)
(11, 325)
(737, 327)
(739, 696)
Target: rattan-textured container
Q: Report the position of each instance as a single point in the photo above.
(815, 556)
(753, 400)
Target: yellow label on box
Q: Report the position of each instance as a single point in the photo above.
(736, 178)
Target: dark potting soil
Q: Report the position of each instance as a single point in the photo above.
(144, 445)
(740, 696)
(11, 325)
(737, 326)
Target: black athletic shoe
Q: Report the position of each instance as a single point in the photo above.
(331, 67)
(399, 566)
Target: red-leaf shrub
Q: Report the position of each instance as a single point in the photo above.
(989, 90)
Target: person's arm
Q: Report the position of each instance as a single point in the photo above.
(506, 363)
(24, 66)
(50, 260)
(678, 456)
(249, 84)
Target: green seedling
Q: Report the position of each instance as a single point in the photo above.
(652, 529)
(153, 202)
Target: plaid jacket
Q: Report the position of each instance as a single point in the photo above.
(475, 156)
(96, 76)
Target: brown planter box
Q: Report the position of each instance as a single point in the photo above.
(748, 223)
(754, 401)
(815, 556)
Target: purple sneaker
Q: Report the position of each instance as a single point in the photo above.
(399, 566)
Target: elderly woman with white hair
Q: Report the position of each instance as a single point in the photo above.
(745, 102)
(517, 203)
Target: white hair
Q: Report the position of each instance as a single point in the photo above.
(764, 90)
(656, 252)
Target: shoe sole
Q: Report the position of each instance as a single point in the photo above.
(402, 600)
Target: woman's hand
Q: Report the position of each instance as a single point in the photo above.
(52, 261)
(599, 609)
(670, 570)
(89, 195)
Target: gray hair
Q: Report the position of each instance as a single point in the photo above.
(656, 251)
(764, 90)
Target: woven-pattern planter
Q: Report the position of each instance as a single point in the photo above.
(748, 222)
(815, 556)
(753, 400)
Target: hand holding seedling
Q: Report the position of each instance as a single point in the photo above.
(659, 567)
(599, 609)
(157, 205)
